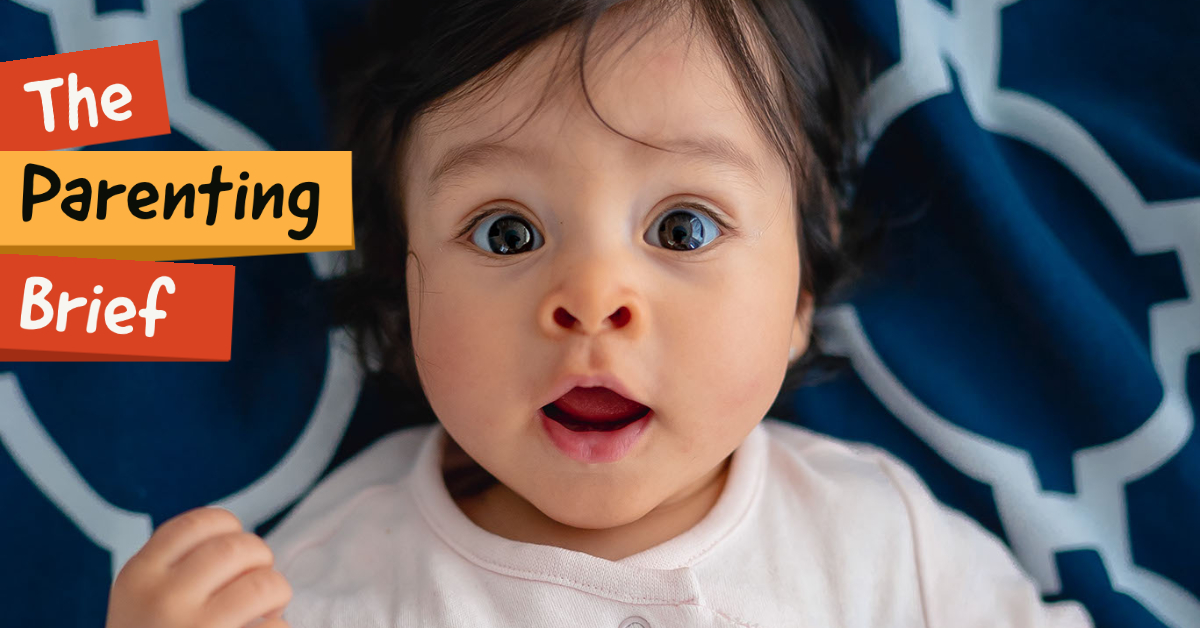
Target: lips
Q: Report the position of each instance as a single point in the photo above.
(596, 409)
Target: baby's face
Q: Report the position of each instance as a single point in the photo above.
(571, 257)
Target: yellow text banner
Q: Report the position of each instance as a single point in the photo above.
(173, 205)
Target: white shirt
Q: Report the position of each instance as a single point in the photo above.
(808, 531)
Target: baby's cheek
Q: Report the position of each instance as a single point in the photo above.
(470, 353)
(453, 345)
(748, 356)
(751, 375)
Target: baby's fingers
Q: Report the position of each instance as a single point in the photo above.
(219, 560)
(175, 538)
(252, 595)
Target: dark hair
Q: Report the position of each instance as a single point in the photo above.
(416, 57)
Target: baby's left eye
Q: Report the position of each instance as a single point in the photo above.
(683, 230)
(506, 234)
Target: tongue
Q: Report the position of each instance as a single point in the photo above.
(597, 404)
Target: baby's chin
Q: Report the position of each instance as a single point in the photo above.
(605, 503)
(598, 514)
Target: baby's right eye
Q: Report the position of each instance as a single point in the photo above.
(506, 234)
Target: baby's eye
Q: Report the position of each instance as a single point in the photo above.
(506, 234)
(683, 230)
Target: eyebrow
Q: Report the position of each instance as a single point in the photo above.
(461, 159)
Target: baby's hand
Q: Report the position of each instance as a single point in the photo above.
(200, 570)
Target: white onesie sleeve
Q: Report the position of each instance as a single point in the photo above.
(967, 577)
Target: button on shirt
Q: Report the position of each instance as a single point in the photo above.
(808, 531)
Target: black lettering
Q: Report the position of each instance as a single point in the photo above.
(188, 191)
(84, 198)
(239, 212)
(104, 194)
(136, 204)
(309, 212)
(28, 198)
(275, 192)
(213, 189)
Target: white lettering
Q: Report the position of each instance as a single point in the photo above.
(111, 320)
(119, 310)
(110, 106)
(31, 299)
(65, 307)
(149, 312)
(94, 310)
(75, 95)
(43, 88)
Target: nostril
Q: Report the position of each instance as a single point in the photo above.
(564, 318)
(621, 317)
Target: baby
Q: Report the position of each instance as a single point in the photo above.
(593, 235)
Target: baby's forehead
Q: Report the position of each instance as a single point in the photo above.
(663, 85)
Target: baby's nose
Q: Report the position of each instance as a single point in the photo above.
(592, 298)
(617, 320)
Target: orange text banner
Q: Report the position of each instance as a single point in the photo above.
(75, 309)
(174, 205)
(81, 98)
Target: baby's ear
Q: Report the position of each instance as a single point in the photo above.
(801, 326)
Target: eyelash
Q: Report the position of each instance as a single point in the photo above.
(483, 215)
(487, 213)
(704, 209)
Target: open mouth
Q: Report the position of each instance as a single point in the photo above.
(594, 410)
